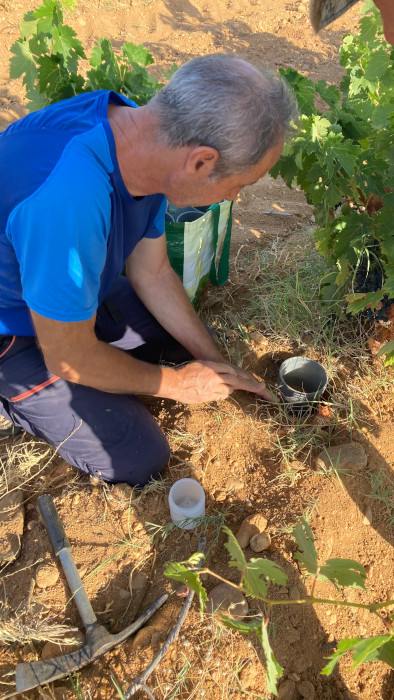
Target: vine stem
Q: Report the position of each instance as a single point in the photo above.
(311, 600)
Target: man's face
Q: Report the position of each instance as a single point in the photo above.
(200, 189)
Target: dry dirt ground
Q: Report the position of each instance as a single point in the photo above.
(235, 448)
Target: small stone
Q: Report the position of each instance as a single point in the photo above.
(146, 637)
(220, 496)
(351, 455)
(32, 525)
(46, 575)
(137, 582)
(288, 690)
(294, 677)
(50, 650)
(161, 547)
(306, 690)
(260, 542)
(257, 337)
(123, 594)
(251, 525)
(12, 518)
(234, 484)
(292, 635)
(367, 519)
(230, 601)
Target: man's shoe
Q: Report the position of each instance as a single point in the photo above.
(7, 428)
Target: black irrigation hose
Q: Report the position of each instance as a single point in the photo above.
(139, 682)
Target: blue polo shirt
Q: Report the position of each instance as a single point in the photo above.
(67, 222)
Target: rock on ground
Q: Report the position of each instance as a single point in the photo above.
(350, 455)
(226, 599)
(51, 650)
(46, 575)
(288, 691)
(251, 525)
(12, 518)
(306, 690)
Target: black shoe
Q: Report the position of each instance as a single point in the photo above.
(7, 428)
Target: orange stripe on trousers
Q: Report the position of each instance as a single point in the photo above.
(10, 346)
(35, 389)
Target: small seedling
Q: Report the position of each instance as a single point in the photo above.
(255, 575)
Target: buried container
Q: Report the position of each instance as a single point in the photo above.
(191, 215)
(301, 381)
(186, 500)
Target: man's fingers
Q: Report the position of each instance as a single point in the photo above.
(222, 368)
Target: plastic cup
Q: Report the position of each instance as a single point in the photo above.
(186, 500)
(169, 218)
(301, 380)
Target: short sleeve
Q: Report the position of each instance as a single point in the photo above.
(60, 234)
(156, 225)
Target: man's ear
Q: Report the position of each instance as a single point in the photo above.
(201, 161)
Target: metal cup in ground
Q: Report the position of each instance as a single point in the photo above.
(301, 381)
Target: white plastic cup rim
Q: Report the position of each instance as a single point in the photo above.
(186, 500)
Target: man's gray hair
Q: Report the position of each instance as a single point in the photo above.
(225, 102)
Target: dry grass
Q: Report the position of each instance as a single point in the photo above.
(25, 627)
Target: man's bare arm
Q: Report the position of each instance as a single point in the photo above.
(160, 289)
(73, 352)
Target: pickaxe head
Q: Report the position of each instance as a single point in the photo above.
(98, 642)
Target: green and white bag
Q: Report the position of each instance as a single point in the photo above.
(199, 250)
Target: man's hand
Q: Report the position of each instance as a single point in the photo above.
(201, 382)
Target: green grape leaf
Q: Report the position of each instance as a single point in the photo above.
(274, 670)
(255, 568)
(307, 554)
(180, 572)
(360, 301)
(23, 63)
(237, 556)
(241, 625)
(388, 350)
(28, 26)
(371, 649)
(47, 9)
(368, 26)
(49, 73)
(320, 128)
(329, 93)
(137, 54)
(345, 152)
(345, 572)
(69, 4)
(386, 653)
(378, 64)
(65, 43)
(303, 88)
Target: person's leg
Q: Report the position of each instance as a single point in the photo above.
(107, 435)
(123, 321)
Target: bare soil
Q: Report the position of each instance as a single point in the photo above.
(231, 447)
